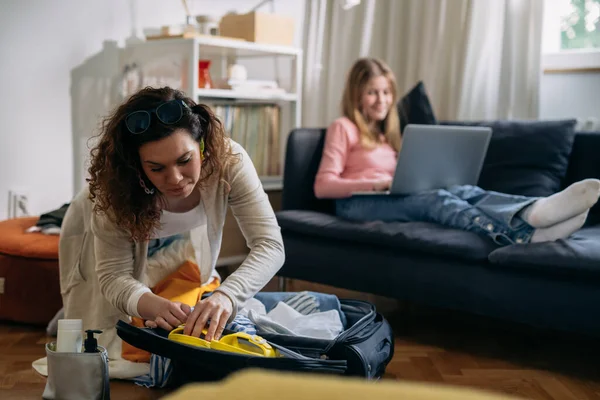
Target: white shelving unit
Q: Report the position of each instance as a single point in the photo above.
(240, 95)
(174, 62)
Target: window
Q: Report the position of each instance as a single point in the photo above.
(571, 35)
(579, 24)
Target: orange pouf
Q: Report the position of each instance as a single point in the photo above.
(29, 268)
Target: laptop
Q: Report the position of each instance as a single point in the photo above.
(437, 157)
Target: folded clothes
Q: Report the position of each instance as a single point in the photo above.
(284, 320)
(305, 302)
(306, 314)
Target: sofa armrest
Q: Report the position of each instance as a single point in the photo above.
(303, 156)
(584, 161)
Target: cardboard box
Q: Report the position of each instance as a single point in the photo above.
(259, 28)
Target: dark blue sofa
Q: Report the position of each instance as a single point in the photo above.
(550, 285)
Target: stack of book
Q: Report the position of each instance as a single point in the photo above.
(255, 127)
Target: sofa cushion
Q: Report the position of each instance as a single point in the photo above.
(529, 158)
(580, 254)
(14, 241)
(415, 108)
(414, 236)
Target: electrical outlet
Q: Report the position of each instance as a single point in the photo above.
(2, 285)
(18, 203)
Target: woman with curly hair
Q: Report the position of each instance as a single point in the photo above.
(161, 179)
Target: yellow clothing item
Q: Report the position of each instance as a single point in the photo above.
(183, 286)
(265, 385)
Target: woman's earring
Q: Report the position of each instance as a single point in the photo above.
(201, 149)
(143, 185)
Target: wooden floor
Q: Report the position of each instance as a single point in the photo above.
(431, 346)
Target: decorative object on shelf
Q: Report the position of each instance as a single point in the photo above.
(187, 30)
(204, 79)
(190, 26)
(208, 25)
(237, 72)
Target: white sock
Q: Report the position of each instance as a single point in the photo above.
(561, 206)
(561, 230)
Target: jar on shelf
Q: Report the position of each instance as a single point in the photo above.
(208, 25)
(204, 79)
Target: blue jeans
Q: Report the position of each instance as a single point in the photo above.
(468, 208)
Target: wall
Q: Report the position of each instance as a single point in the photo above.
(46, 46)
(570, 95)
(564, 91)
(570, 85)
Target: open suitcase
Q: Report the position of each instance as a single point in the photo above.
(363, 349)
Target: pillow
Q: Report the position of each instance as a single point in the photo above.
(528, 158)
(415, 108)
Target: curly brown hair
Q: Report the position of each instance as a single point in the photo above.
(115, 169)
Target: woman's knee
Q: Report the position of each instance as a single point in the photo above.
(466, 191)
(441, 193)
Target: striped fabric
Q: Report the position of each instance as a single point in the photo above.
(160, 372)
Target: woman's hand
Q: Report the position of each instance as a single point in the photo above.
(217, 309)
(381, 185)
(161, 312)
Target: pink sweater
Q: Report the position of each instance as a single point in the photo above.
(347, 167)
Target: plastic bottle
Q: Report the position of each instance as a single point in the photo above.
(70, 336)
(90, 344)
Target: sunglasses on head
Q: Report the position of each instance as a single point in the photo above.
(169, 113)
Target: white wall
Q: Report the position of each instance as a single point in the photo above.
(569, 88)
(567, 94)
(570, 95)
(44, 46)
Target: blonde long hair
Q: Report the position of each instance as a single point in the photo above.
(361, 72)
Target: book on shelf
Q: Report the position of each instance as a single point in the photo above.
(257, 128)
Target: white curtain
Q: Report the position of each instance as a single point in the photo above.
(332, 42)
(503, 62)
(478, 59)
